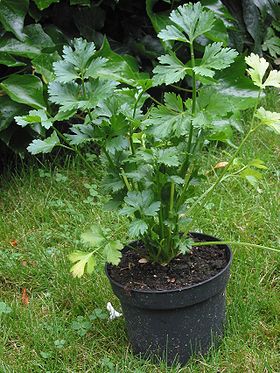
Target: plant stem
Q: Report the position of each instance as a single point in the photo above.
(186, 161)
(207, 243)
(171, 207)
(109, 157)
(125, 179)
(181, 88)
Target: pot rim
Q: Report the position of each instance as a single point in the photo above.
(182, 288)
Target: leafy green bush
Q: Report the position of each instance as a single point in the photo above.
(33, 33)
(156, 161)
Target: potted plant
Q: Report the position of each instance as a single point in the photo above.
(170, 281)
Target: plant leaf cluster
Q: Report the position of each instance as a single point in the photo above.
(154, 158)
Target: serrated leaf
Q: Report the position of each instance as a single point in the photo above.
(113, 183)
(80, 134)
(44, 146)
(81, 260)
(152, 209)
(215, 57)
(34, 116)
(185, 246)
(79, 53)
(269, 118)
(165, 121)
(127, 210)
(65, 72)
(68, 95)
(273, 79)
(25, 89)
(94, 237)
(168, 157)
(192, 19)
(258, 66)
(95, 67)
(271, 43)
(169, 70)
(171, 32)
(137, 228)
(112, 252)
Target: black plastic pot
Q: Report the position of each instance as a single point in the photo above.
(175, 324)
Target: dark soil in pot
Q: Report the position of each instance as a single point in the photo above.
(134, 272)
(173, 311)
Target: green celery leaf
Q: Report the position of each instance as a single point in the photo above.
(81, 134)
(269, 118)
(34, 116)
(94, 237)
(80, 53)
(25, 89)
(271, 43)
(168, 156)
(44, 146)
(68, 95)
(185, 246)
(95, 67)
(169, 70)
(152, 209)
(192, 19)
(258, 66)
(172, 32)
(81, 260)
(113, 183)
(112, 252)
(98, 90)
(168, 120)
(137, 228)
(215, 57)
(273, 79)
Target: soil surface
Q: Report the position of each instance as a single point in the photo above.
(199, 265)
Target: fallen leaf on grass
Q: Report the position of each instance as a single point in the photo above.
(220, 165)
(13, 243)
(24, 297)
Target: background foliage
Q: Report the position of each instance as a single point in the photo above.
(33, 33)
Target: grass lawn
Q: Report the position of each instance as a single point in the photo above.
(42, 214)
